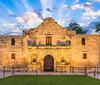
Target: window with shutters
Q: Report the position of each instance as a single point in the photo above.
(49, 40)
(58, 42)
(68, 43)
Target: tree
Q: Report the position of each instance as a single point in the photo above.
(77, 28)
(97, 27)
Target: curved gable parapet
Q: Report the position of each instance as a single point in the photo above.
(49, 27)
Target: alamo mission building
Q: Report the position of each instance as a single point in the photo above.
(49, 45)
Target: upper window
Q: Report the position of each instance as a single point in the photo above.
(31, 43)
(83, 41)
(49, 40)
(84, 55)
(34, 42)
(12, 41)
(58, 42)
(68, 43)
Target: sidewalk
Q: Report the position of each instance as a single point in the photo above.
(96, 76)
(47, 73)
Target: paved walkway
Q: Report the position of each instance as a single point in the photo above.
(46, 73)
(94, 76)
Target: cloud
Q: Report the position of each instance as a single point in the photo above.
(46, 6)
(88, 17)
(4, 10)
(26, 5)
(85, 6)
(85, 18)
(11, 14)
(53, 9)
(97, 0)
(29, 19)
(7, 25)
(84, 24)
(7, 14)
(61, 22)
(46, 3)
(94, 32)
(39, 14)
(9, 28)
(92, 14)
(50, 10)
(76, 1)
(63, 9)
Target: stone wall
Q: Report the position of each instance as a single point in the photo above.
(73, 54)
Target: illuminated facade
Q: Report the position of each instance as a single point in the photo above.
(49, 45)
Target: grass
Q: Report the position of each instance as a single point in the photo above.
(49, 80)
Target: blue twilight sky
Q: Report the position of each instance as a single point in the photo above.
(17, 15)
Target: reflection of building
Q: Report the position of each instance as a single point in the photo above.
(49, 45)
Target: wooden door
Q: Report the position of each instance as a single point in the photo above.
(48, 63)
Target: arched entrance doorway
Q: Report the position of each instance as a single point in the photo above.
(48, 63)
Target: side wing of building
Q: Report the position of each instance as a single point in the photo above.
(85, 50)
(10, 50)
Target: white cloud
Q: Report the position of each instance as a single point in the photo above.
(61, 22)
(29, 19)
(8, 28)
(46, 4)
(77, 6)
(92, 13)
(84, 24)
(76, 1)
(26, 5)
(97, 0)
(7, 25)
(65, 6)
(85, 18)
(86, 6)
(69, 19)
(88, 17)
(93, 32)
(8, 11)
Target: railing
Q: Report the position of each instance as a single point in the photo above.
(47, 47)
(58, 70)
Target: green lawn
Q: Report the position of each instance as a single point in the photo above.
(49, 80)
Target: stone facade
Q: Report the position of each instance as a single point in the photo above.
(52, 43)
